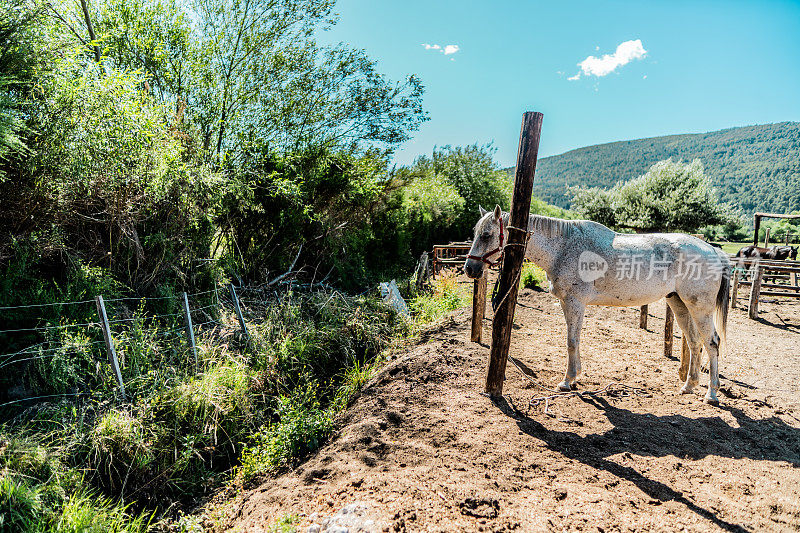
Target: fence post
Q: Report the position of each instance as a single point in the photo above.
(643, 317)
(683, 371)
(508, 286)
(755, 290)
(112, 353)
(735, 288)
(766, 239)
(668, 332)
(479, 306)
(239, 311)
(189, 329)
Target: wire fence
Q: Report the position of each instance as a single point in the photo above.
(121, 326)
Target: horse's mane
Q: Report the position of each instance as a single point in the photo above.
(548, 226)
(552, 227)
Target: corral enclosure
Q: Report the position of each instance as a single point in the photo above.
(423, 450)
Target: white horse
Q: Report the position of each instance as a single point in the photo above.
(589, 264)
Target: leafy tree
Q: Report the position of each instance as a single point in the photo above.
(671, 196)
(474, 174)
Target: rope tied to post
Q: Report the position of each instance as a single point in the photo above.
(613, 389)
(495, 302)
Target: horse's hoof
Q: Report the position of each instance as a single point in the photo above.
(711, 400)
(564, 387)
(687, 389)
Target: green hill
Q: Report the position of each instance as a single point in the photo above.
(755, 167)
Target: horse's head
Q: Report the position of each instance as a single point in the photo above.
(487, 244)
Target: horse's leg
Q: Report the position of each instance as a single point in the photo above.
(708, 333)
(573, 312)
(693, 340)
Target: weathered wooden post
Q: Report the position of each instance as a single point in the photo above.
(479, 306)
(668, 332)
(755, 290)
(683, 371)
(514, 251)
(735, 287)
(112, 352)
(756, 226)
(766, 238)
(643, 317)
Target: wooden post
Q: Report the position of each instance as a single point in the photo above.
(112, 353)
(669, 320)
(735, 288)
(239, 311)
(189, 328)
(786, 236)
(766, 238)
(756, 226)
(479, 306)
(683, 371)
(514, 252)
(643, 317)
(755, 290)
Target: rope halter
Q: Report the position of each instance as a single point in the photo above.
(499, 250)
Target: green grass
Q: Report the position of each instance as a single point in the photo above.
(251, 409)
(733, 247)
(446, 295)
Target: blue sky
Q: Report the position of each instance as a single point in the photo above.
(699, 66)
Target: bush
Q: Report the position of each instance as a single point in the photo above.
(533, 277)
(446, 295)
(301, 429)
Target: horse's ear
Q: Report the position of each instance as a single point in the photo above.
(482, 210)
(497, 212)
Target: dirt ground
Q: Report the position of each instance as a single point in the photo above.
(421, 449)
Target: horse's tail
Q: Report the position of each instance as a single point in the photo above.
(721, 311)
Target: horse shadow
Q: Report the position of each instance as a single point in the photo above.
(769, 439)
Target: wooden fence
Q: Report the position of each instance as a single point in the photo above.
(765, 278)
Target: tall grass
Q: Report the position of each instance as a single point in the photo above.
(97, 464)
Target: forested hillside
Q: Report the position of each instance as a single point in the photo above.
(755, 167)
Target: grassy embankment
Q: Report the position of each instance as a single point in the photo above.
(89, 462)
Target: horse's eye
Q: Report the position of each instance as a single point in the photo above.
(486, 236)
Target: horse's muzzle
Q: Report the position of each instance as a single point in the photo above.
(473, 269)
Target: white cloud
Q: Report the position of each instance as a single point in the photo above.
(602, 66)
(447, 49)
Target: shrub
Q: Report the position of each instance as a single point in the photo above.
(533, 277)
(301, 429)
(446, 296)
